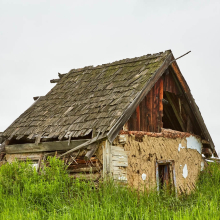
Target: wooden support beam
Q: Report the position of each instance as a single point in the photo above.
(91, 152)
(178, 116)
(205, 142)
(169, 118)
(43, 146)
(138, 119)
(160, 103)
(84, 145)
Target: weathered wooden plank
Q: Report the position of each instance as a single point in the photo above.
(116, 148)
(155, 107)
(119, 164)
(104, 161)
(160, 122)
(138, 119)
(108, 157)
(32, 156)
(84, 145)
(145, 114)
(120, 158)
(120, 153)
(120, 177)
(148, 110)
(119, 169)
(119, 172)
(170, 83)
(143, 125)
(43, 146)
(91, 152)
(205, 142)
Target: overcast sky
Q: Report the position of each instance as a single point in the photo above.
(40, 38)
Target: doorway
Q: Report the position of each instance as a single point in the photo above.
(165, 175)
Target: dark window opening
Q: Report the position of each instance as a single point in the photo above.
(165, 175)
(170, 120)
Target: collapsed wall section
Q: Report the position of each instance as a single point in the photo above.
(77, 163)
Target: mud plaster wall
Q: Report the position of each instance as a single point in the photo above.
(145, 152)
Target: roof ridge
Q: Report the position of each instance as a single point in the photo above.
(120, 62)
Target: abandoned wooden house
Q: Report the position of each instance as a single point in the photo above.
(133, 119)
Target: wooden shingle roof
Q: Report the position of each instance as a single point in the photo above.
(87, 99)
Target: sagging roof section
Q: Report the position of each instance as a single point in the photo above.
(90, 99)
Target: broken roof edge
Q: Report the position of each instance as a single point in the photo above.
(12, 135)
(114, 131)
(81, 146)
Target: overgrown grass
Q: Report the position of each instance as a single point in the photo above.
(24, 194)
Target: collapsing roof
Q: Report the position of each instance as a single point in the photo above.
(97, 100)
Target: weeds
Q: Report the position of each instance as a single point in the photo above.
(25, 194)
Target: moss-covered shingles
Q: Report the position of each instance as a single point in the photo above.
(87, 98)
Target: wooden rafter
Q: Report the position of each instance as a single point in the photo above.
(176, 112)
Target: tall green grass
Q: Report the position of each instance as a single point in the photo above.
(24, 194)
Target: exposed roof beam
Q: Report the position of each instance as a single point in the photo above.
(84, 145)
(176, 112)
